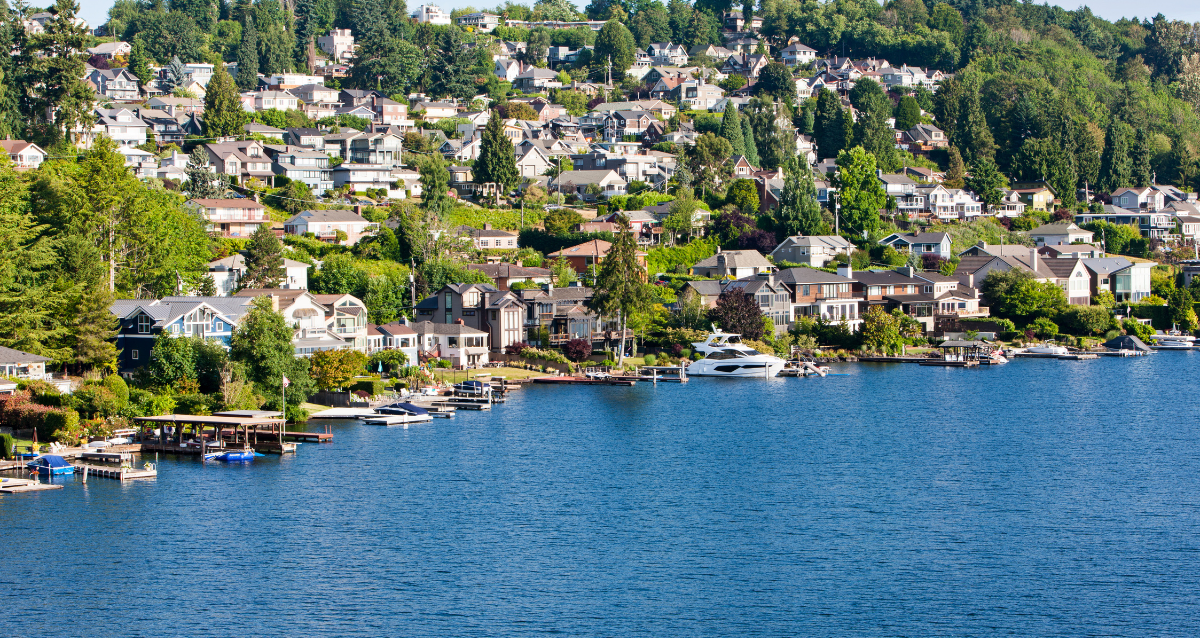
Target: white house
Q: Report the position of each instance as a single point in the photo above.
(812, 250)
(24, 155)
(324, 224)
(1059, 233)
(339, 44)
(798, 55)
(231, 217)
(228, 272)
(431, 14)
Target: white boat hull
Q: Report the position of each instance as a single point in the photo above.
(396, 419)
(750, 368)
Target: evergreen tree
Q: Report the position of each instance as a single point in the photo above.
(139, 62)
(799, 213)
(263, 344)
(751, 147)
(973, 135)
(247, 57)
(1116, 167)
(776, 81)
(175, 75)
(452, 68)
(497, 160)
(731, 129)
(200, 177)
(223, 112)
(872, 132)
(828, 125)
(957, 172)
(435, 180)
(264, 260)
(986, 181)
(908, 113)
(275, 40)
(207, 286)
(1141, 173)
(620, 288)
(50, 73)
(93, 328)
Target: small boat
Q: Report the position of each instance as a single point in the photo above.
(473, 388)
(996, 357)
(230, 456)
(50, 465)
(397, 414)
(1168, 341)
(1047, 349)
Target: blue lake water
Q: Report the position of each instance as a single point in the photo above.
(1039, 498)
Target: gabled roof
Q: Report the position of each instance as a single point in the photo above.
(431, 328)
(736, 259)
(809, 276)
(8, 355)
(916, 238)
(321, 216)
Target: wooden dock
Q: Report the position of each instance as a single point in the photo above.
(461, 405)
(107, 457)
(893, 359)
(307, 437)
(119, 473)
(950, 364)
(582, 381)
(20, 486)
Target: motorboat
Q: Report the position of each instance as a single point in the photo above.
(1167, 341)
(726, 356)
(1047, 349)
(50, 465)
(473, 388)
(230, 456)
(397, 414)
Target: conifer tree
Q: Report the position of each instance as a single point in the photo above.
(731, 129)
(956, 173)
(1140, 173)
(751, 147)
(1116, 169)
(908, 113)
(139, 62)
(829, 125)
(223, 112)
(93, 328)
(497, 161)
(200, 177)
(620, 288)
(799, 213)
(264, 260)
(247, 57)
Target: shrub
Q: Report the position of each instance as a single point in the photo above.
(547, 355)
(1042, 327)
(62, 425)
(650, 360)
(196, 403)
(516, 348)
(1137, 329)
(373, 387)
(6, 446)
(577, 349)
(119, 388)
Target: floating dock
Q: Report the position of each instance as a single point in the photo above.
(20, 486)
(582, 381)
(950, 364)
(119, 473)
(107, 457)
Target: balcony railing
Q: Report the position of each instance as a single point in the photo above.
(963, 312)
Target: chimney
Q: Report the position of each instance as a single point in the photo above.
(274, 303)
(971, 281)
(1033, 259)
(846, 270)
(487, 226)
(460, 322)
(981, 244)
(718, 250)
(358, 209)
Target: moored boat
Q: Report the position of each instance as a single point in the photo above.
(230, 456)
(726, 356)
(50, 465)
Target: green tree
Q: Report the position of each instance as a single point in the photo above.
(562, 221)
(264, 260)
(871, 131)
(860, 193)
(776, 81)
(171, 360)
(497, 161)
(738, 312)
(139, 62)
(339, 275)
(731, 129)
(908, 113)
(387, 63)
(986, 181)
(262, 343)
(202, 182)
(223, 112)
(615, 42)
(1116, 167)
(333, 369)
(620, 289)
(48, 76)
(957, 172)
(247, 57)
(881, 330)
(799, 213)
(1016, 295)
(706, 160)
(93, 329)
(829, 125)
(276, 43)
(744, 194)
(748, 142)
(452, 68)
(1183, 311)
(435, 183)
(294, 197)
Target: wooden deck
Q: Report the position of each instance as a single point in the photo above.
(309, 437)
(949, 364)
(20, 486)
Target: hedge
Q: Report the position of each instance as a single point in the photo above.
(6, 446)
(18, 413)
(373, 387)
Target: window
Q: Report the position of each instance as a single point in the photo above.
(449, 301)
(468, 313)
(134, 355)
(143, 324)
(805, 290)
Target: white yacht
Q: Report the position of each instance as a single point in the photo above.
(726, 356)
(1047, 349)
(1166, 341)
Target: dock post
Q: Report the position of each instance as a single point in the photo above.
(85, 470)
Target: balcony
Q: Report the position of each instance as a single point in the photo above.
(963, 312)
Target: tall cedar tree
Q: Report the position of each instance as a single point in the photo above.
(829, 125)
(1116, 167)
(54, 96)
(751, 147)
(264, 260)
(223, 112)
(139, 61)
(620, 285)
(908, 113)
(93, 328)
(200, 176)
(986, 181)
(731, 129)
(247, 57)
(497, 161)
(799, 213)
(956, 174)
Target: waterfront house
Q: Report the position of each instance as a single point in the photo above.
(15, 364)
(820, 295)
(461, 345)
(142, 320)
(321, 322)
(227, 274)
(499, 314)
(1126, 280)
(393, 336)
(733, 264)
(773, 298)
(562, 311)
(708, 289)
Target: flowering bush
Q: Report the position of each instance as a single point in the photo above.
(18, 413)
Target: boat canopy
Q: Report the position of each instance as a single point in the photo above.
(409, 407)
(1127, 342)
(51, 460)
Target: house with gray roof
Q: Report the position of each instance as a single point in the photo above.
(811, 250)
(733, 264)
(324, 224)
(937, 244)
